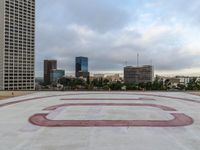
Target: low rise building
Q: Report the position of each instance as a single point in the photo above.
(114, 78)
(56, 74)
(184, 80)
(98, 76)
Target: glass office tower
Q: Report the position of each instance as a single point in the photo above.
(82, 67)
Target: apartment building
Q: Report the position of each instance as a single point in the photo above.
(17, 44)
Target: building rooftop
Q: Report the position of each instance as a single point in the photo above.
(101, 121)
(138, 66)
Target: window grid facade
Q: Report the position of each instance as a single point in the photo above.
(19, 39)
(141, 74)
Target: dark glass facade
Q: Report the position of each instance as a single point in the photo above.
(82, 67)
(56, 75)
(49, 65)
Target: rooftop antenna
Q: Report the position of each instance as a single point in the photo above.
(126, 63)
(151, 62)
(138, 59)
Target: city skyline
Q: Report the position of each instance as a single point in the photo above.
(111, 33)
(121, 72)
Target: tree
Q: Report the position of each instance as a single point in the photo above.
(105, 81)
(157, 84)
(149, 86)
(64, 81)
(192, 84)
(116, 86)
(181, 86)
(106, 87)
(167, 84)
(131, 86)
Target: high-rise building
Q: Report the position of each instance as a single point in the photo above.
(56, 74)
(17, 38)
(82, 67)
(49, 65)
(138, 74)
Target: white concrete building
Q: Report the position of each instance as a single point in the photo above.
(17, 38)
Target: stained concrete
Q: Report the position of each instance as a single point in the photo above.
(17, 132)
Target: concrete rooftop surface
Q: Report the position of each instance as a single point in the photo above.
(100, 121)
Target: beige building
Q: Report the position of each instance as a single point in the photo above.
(114, 78)
(98, 76)
(17, 38)
(138, 74)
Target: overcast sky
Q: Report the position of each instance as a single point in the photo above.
(111, 32)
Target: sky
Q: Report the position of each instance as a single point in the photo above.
(165, 33)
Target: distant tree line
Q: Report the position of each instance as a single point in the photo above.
(105, 84)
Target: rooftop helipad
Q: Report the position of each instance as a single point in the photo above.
(100, 121)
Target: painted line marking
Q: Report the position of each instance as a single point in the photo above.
(165, 108)
(40, 98)
(180, 119)
(103, 99)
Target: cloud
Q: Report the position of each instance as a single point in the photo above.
(111, 33)
(183, 10)
(99, 15)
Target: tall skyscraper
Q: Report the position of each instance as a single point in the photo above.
(82, 67)
(49, 65)
(17, 44)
